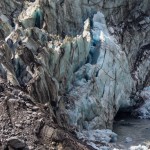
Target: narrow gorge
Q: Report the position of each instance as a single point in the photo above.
(74, 74)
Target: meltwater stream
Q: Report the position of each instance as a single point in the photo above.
(132, 132)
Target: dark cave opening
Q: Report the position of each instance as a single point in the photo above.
(122, 114)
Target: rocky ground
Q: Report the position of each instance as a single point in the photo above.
(67, 67)
(26, 125)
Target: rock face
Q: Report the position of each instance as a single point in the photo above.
(86, 59)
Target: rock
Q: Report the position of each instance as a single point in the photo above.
(28, 122)
(35, 108)
(29, 105)
(39, 114)
(145, 94)
(113, 139)
(31, 147)
(18, 125)
(128, 139)
(111, 30)
(29, 112)
(142, 22)
(16, 143)
(147, 19)
(28, 117)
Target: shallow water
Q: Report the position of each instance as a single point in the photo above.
(137, 129)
